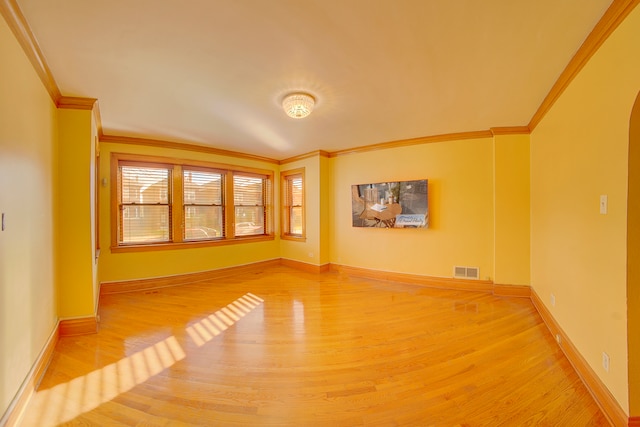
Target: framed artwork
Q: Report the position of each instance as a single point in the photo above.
(398, 204)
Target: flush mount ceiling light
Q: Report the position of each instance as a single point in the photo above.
(298, 105)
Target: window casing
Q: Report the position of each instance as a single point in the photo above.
(293, 205)
(159, 202)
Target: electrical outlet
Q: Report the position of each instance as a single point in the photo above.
(605, 361)
(553, 300)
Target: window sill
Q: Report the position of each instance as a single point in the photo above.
(189, 245)
(293, 238)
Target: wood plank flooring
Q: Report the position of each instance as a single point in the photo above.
(281, 347)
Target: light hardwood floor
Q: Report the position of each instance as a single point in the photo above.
(282, 347)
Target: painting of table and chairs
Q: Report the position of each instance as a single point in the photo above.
(399, 204)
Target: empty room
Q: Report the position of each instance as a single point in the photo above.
(320, 212)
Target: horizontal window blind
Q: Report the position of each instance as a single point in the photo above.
(249, 205)
(144, 211)
(292, 209)
(203, 205)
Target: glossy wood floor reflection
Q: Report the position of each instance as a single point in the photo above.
(282, 347)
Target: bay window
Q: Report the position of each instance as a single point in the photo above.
(170, 202)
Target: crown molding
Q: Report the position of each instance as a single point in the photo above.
(514, 130)
(76, 103)
(511, 130)
(318, 153)
(415, 141)
(183, 146)
(615, 14)
(16, 21)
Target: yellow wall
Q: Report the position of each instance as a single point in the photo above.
(28, 140)
(76, 272)
(579, 152)
(480, 211)
(633, 261)
(512, 243)
(326, 173)
(461, 211)
(159, 263)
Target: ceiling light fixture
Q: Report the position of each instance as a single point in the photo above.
(298, 105)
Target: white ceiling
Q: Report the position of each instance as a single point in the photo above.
(214, 72)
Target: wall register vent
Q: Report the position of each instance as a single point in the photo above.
(466, 272)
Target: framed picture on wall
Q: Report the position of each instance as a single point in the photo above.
(398, 204)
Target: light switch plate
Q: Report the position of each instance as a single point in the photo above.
(604, 202)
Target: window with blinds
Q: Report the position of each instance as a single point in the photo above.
(249, 205)
(203, 210)
(171, 202)
(144, 204)
(292, 209)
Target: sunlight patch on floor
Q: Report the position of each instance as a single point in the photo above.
(64, 402)
(207, 328)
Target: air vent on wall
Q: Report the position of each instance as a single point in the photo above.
(466, 272)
